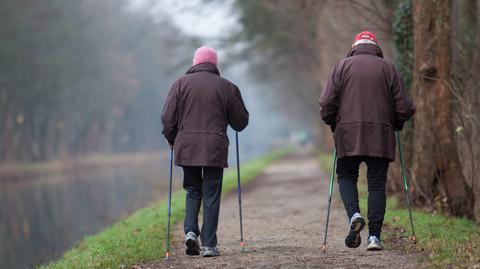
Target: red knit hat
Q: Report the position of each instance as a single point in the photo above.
(365, 37)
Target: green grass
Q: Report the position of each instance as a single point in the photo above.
(448, 241)
(141, 236)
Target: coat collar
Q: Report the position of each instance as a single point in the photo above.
(204, 67)
(366, 49)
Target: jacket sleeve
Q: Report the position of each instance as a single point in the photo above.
(169, 114)
(329, 99)
(237, 112)
(404, 108)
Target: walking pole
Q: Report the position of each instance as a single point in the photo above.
(167, 252)
(405, 184)
(330, 191)
(239, 193)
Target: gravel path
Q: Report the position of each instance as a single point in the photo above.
(284, 212)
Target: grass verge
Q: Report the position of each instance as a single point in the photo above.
(141, 236)
(448, 241)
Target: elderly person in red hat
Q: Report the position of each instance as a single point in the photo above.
(198, 110)
(365, 102)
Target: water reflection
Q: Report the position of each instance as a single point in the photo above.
(41, 218)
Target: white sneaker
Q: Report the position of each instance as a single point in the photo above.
(374, 243)
(210, 252)
(353, 239)
(192, 244)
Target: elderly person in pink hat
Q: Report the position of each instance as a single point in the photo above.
(200, 106)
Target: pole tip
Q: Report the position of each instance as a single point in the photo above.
(324, 249)
(243, 245)
(414, 239)
(167, 255)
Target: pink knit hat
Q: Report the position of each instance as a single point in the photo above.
(205, 54)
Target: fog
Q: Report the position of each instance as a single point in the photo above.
(213, 23)
(82, 85)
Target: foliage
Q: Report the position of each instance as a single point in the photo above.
(82, 77)
(280, 38)
(140, 237)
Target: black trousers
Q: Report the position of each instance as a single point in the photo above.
(203, 183)
(347, 173)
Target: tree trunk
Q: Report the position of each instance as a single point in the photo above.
(437, 172)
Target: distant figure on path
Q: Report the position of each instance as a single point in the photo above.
(199, 107)
(365, 102)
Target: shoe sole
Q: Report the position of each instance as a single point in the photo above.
(192, 248)
(210, 255)
(374, 248)
(353, 239)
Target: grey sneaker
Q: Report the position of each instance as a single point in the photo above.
(210, 252)
(357, 223)
(191, 241)
(374, 243)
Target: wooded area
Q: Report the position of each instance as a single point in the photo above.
(436, 46)
(79, 77)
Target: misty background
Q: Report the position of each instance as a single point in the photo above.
(82, 77)
(82, 86)
(83, 82)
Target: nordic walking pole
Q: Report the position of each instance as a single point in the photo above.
(330, 191)
(167, 251)
(239, 193)
(405, 184)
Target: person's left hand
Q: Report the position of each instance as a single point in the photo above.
(332, 127)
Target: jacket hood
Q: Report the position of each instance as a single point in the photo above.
(203, 67)
(366, 49)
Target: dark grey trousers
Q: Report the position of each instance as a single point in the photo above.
(347, 172)
(203, 183)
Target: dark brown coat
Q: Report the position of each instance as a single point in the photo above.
(199, 107)
(365, 101)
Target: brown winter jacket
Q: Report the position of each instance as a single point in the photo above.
(195, 117)
(364, 102)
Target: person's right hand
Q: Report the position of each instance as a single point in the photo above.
(398, 127)
(170, 145)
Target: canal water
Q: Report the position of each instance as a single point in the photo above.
(42, 217)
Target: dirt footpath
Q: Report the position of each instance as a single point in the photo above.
(284, 220)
